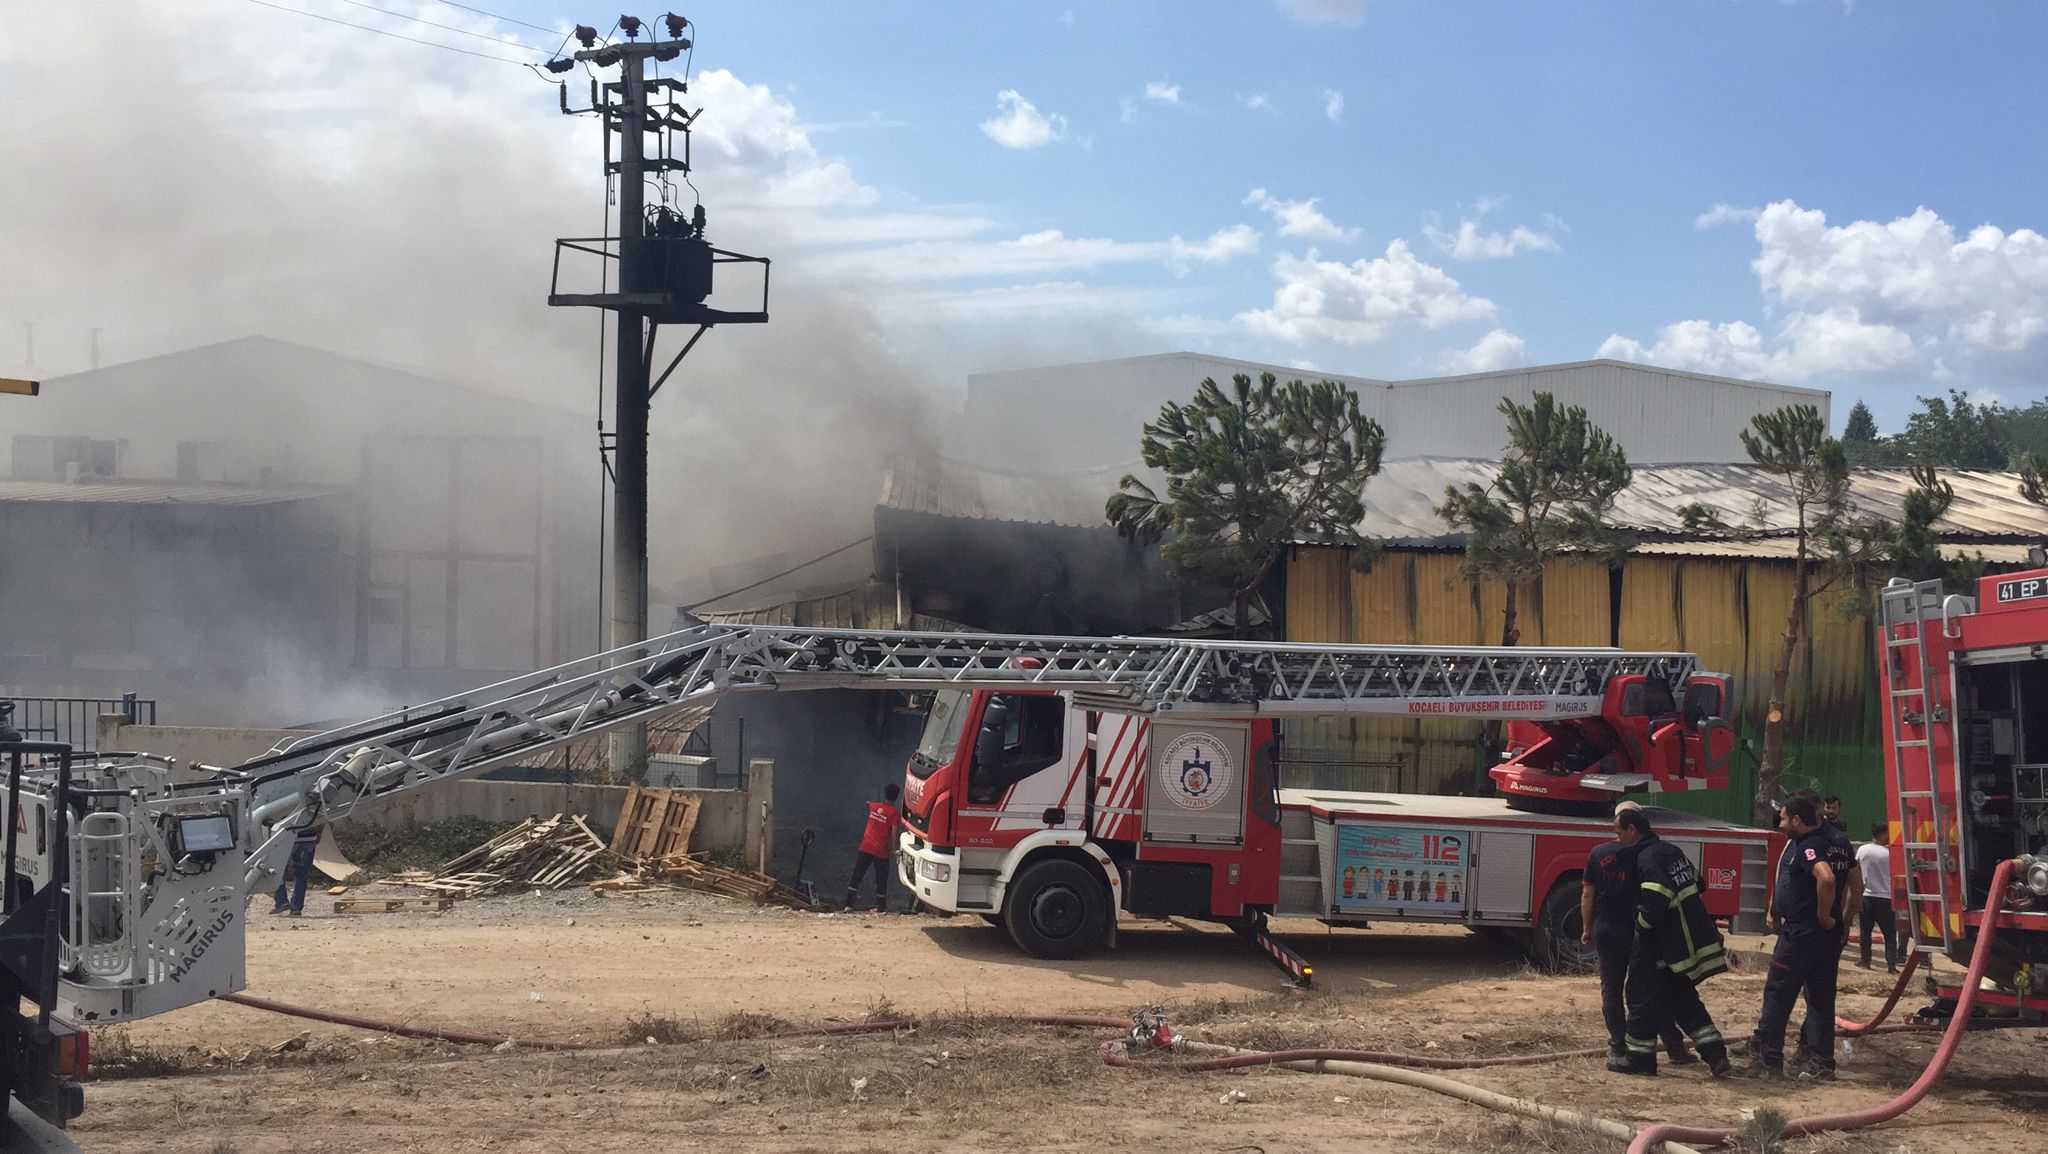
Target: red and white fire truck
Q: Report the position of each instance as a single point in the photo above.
(1965, 685)
(1049, 809)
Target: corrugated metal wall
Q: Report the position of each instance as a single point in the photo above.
(1730, 611)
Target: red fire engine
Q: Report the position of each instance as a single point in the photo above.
(1965, 685)
(1048, 811)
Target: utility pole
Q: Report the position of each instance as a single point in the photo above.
(665, 269)
(629, 423)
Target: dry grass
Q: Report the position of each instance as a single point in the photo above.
(657, 1030)
(1761, 1134)
(1514, 1132)
(746, 1024)
(115, 1055)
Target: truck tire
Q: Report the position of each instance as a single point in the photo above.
(1554, 943)
(1056, 909)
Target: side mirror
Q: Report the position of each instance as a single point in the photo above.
(988, 743)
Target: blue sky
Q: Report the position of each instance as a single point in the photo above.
(1829, 193)
(1602, 131)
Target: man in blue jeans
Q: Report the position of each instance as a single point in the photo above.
(297, 871)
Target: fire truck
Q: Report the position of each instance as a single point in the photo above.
(1964, 683)
(1104, 774)
(1069, 805)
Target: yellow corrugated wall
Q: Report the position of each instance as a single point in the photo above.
(1729, 611)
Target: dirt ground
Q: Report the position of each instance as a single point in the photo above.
(703, 978)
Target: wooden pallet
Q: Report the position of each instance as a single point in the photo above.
(391, 905)
(655, 823)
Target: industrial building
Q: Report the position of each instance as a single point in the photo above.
(262, 532)
(1088, 415)
(1723, 598)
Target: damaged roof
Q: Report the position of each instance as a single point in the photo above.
(868, 604)
(947, 488)
(1401, 501)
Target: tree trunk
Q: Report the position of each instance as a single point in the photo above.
(1771, 770)
(1240, 613)
(1509, 634)
(1493, 738)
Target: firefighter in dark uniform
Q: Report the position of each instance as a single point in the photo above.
(1805, 914)
(1607, 910)
(1677, 947)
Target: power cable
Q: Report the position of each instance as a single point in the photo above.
(444, 27)
(501, 19)
(784, 573)
(393, 35)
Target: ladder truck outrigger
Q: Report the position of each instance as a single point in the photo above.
(1105, 774)
(1964, 685)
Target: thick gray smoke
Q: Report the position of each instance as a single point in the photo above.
(246, 172)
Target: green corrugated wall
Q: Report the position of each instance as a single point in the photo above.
(1730, 611)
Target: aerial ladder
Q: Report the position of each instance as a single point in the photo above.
(151, 865)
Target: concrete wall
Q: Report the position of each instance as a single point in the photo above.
(223, 748)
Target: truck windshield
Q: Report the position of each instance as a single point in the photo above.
(941, 732)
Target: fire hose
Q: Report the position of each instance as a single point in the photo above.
(1980, 958)
(1349, 1063)
(474, 1038)
(1858, 1029)
(465, 1037)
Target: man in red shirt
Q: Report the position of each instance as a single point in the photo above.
(874, 848)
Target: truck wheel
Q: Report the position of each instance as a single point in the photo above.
(1554, 945)
(1056, 909)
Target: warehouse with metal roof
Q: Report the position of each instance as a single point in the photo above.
(1089, 415)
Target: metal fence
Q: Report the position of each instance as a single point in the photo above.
(72, 720)
(1349, 776)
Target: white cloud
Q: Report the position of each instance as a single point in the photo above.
(1258, 102)
(1357, 303)
(1987, 291)
(1346, 12)
(1877, 296)
(1235, 241)
(1002, 303)
(1157, 92)
(1722, 214)
(1299, 217)
(1036, 254)
(1470, 242)
(1333, 103)
(1019, 124)
(1807, 345)
(1499, 349)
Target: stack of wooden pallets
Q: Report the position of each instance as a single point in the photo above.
(653, 840)
(538, 853)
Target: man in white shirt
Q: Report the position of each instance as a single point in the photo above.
(1874, 859)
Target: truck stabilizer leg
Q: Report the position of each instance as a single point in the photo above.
(1302, 974)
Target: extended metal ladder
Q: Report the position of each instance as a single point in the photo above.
(1913, 701)
(332, 772)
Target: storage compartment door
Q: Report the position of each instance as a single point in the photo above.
(1501, 865)
(1195, 794)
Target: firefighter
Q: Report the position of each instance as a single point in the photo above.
(1804, 915)
(874, 849)
(1607, 911)
(1677, 947)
